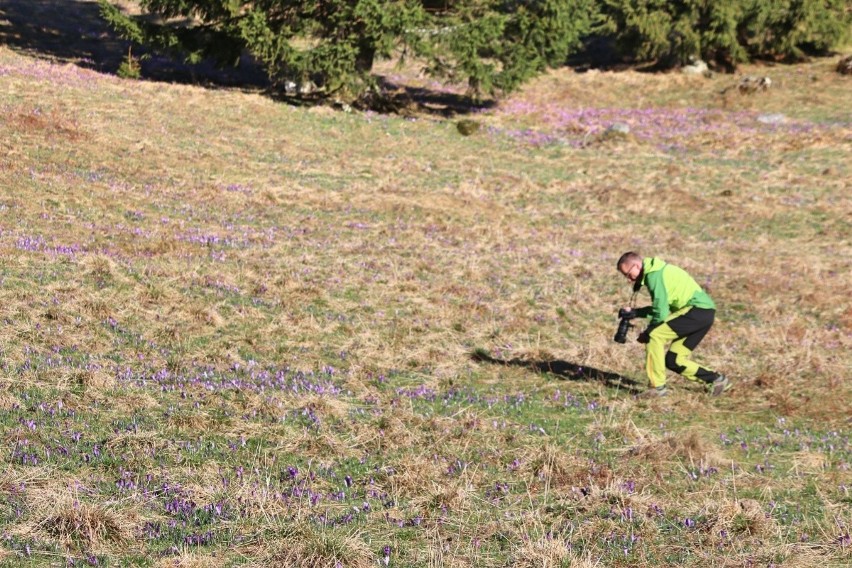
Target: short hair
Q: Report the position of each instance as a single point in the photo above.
(627, 257)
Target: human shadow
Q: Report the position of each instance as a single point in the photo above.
(565, 370)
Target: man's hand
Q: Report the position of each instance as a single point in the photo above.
(643, 337)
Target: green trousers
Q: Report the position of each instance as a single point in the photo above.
(684, 330)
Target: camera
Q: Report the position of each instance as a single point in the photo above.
(624, 325)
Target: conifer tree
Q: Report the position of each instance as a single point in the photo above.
(493, 45)
(670, 32)
(792, 29)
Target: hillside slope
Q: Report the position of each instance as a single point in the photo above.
(241, 332)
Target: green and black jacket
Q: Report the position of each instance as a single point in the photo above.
(671, 289)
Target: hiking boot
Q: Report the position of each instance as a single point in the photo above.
(719, 385)
(655, 392)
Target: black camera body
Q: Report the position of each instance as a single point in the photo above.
(624, 325)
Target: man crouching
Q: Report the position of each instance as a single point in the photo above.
(681, 314)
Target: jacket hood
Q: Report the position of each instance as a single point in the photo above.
(652, 265)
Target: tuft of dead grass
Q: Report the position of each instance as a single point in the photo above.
(304, 544)
(52, 123)
(739, 518)
(189, 559)
(8, 400)
(86, 525)
(101, 267)
(97, 306)
(318, 446)
(398, 427)
(93, 378)
(622, 504)
(127, 400)
(805, 462)
(137, 443)
(194, 421)
(325, 407)
(412, 475)
(454, 495)
(550, 463)
(690, 445)
(16, 478)
(545, 553)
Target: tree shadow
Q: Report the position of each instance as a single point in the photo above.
(392, 97)
(437, 102)
(598, 53)
(565, 370)
(72, 31)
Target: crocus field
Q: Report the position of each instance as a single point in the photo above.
(237, 332)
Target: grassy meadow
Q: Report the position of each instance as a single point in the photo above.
(241, 333)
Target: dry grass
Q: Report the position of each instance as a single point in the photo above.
(420, 478)
(690, 446)
(86, 525)
(744, 517)
(188, 559)
(544, 552)
(304, 545)
(553, 466)
(8, 400)
(16, 478)
(265, 314)
(138, 444)
(59, 512)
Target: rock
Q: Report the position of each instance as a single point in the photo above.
(466, 127)
(618, 128)
(292, 88)
(750, 84)
(697, 67)
(772, 118)
(844, 66)
(616, 132)
(307, 88)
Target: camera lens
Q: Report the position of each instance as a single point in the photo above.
(621, 334)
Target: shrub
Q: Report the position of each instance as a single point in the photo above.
(792, 29)
(727, 33)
